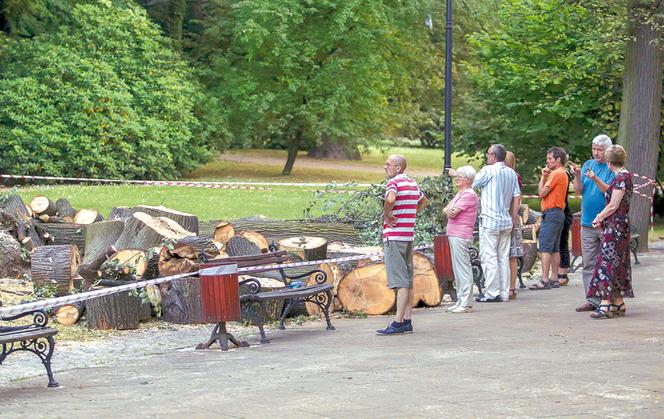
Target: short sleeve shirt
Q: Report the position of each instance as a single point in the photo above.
(593, 199)
(463, 224)
(408, 195)
(558, 183)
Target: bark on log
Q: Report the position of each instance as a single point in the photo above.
(21, 216)
(172, 265)
(533, 217)
(99, 240)
(256, 238)
(306, 248)
(65, 234)
(530, 255)
(195, 247)
(240, 246)
(365, 290)
(426, 288)
(223, 232)
(334, 275)
(187, 221)
(56, 265)
(12, 264)
(273, 308)
(42, 205)
(121, 213)
(118, 311)
(64, 208)
(69, 314)
(152, 256)
(143, 231)
(87, 216)
(181, 301)
(124, 265)
(275, 230)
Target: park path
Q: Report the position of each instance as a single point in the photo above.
(312, 163)
(533, 357)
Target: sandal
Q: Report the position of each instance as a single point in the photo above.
(602, 313)
(541, 285)
(512, 293)
(554, 283)
(618, 310)
(563, 280)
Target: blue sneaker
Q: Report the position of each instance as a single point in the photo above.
(407, 326)
(393, 329)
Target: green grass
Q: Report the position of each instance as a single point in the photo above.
(419, 158)
(207, 204)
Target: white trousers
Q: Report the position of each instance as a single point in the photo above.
(495, 257)
(463, 271)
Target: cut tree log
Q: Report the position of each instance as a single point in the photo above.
(12, 264)
(305, 247)
(64, 233)
(365, 290)
(187, 221)
(42, 205)
(99, 240)
(334, 275)
(181, 301)
(124, 265)
(195, 247)
(240, 246)
(143, 231)
(55, 266)
(16, 216)
(64, 208)
(69, 314)
(87, 216)
(223, 232)
(118, 311)
(530, 255)
(152, 256)
(275, 230)
(173, 265)
(121, 213)
(273, 308)
(426, 288)
(256, 238)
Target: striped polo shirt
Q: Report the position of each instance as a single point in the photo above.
(498, 185)
(405, 208)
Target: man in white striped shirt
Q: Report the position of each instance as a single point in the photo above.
(499, 201)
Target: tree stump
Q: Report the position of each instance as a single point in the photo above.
(305, 247)
(99, 240)
(56, 265)
(119, 311)
(181, 301)
(365, 290)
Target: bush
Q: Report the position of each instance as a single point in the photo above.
(102, 96)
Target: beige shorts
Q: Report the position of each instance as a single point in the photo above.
(399, 263)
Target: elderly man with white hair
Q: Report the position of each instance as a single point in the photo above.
(461, 215)
(591, 181)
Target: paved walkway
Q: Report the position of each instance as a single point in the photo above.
(535, 357)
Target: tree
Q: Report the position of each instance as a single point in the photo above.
(548, 73)
(103, 95)
(640, 116)
(296, 72)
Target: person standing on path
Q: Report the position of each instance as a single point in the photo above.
(461, 216)
(516, 240)
(499, 202)
(591, 181)
(612, 278)
(563, 268)
(552, 190)
(403, 200)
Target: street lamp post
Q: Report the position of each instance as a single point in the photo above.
(448, 84)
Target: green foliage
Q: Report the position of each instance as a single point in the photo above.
(27, 18)
(364, 209)
(102, 96)
(548, 74)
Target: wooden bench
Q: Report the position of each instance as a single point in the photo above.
(36, 338)
(319, 293)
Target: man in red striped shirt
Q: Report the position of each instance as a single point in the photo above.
(403, 200)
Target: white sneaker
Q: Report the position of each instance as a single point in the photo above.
(462, 309)
(454, 307)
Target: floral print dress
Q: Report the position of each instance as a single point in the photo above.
(613, 272)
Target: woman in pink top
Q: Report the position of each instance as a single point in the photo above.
(461, 215)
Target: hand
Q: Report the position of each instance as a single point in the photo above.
(451, 172)
(597, 222)
(390, 220)
(575, 169)
(590, 175)
(545, 172)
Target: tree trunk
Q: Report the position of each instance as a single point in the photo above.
(55, 265)
(640, 114)
(240, 246)
(121, 213)
(65, 233)
(99, 240)
(426, 288)
(69, 314)
(293, 148)
(14, 207)
(181, 301)
(365, 290)
(118, 311)
(187, 221)
(12, 265)
(143, 231)
(334, 275)
(334, 150)
(306, 248)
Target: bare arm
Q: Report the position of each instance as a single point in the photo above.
(388, 218)
(601, 185)
(578, 183)
(542, 189)
(424, 202)
(612, 206)
(514, 209)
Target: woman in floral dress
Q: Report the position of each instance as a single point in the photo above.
(612, 279)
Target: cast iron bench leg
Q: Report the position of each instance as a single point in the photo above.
(289, 307)
(260, 319)
(47, 363)
(38, 347)
(326, 310)
(519, 272)
(634, 245)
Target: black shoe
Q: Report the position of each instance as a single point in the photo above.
(489, 300)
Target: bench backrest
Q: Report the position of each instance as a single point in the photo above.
(252, 261)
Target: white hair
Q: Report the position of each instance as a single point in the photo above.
(467, 172)
(603, 141)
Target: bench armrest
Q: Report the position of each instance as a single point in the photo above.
(39, 317)
(320, 278)
(253, 286)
